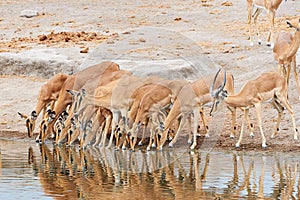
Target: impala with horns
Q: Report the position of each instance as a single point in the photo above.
(48, 94)
(270, 6)
(188, 102)
(268, 87)
(116, 96)
(285, 50)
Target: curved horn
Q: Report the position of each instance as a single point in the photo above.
(213, 83)
(224, 80)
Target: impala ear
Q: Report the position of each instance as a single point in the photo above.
(71, 92)
(289, 23)
(23, 115)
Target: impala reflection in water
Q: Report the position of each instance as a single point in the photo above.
(51, 172)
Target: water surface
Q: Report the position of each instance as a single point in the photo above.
(32, 171)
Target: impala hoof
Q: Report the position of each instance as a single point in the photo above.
(148, 148)
(231, 136)
(153, 145)
(140, 143)
(259, 42)
(251, 135)
(264, 145)
(159, 148)
(171, 144)
(192, 147)
(189, 141)
(207, 135)
(237, 145)
(295, 137)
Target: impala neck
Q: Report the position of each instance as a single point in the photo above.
(39, 106)
(294, 45)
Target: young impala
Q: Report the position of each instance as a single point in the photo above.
(285, 50)
(268, 87)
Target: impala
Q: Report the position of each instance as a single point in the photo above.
(75, 82)
(47, 94)
(270, 6)
(192, 97)
(285, 50)
(116, 96)
(268, 87)
(153, 101)
(89, 87)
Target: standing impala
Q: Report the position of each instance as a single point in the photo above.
(268, 87)
(47, 94)
(270, 6)
(192, 97)
(285, 50)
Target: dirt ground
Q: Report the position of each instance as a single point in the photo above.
(72, 29)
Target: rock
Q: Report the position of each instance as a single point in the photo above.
(29, 13)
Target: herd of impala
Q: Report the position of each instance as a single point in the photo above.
(104, 105)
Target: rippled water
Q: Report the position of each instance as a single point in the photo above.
(30, 171)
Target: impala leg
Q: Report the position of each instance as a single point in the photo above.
(246, 112)
(108, 122)
(175, 126)
(183, 120)
(233, 123)
(286, 104)
(279, 109)
(255, 17)
(258, 113)
(250, 125)
(113, 127)
(143, 136)
(196, 122)
(296, 75)
(189, 119)
(288, 73)
(206, 130)
(271, 16)
(99, 135)
(249, 8)
(134, 135)
(151, 135)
